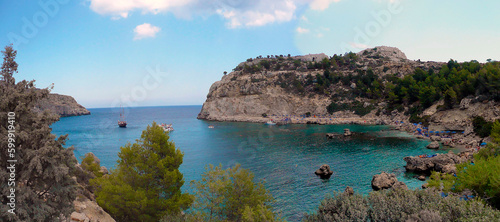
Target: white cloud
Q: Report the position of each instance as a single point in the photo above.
(259, 13)
(123, 7)
(237, 13)
(302, 30)
(145, 30)
(321, 5)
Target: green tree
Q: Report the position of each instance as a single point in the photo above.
(231, 195)
(146, 184)
(450, 98)
(495, 132)
(90, 164)
(44, 189)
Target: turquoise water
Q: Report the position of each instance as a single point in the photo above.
(285, 157)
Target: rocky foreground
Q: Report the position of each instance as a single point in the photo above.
(61, 105)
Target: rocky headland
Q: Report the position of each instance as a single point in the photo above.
(61, 105)
(294, 88)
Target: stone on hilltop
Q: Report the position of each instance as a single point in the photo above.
(392, 53)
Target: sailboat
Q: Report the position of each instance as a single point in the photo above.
(122, 122)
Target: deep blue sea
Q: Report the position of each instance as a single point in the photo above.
(285, 157)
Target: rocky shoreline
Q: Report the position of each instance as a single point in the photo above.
(460, 140)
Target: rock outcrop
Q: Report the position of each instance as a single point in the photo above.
(349, 191)
(281, 86)
(387, 181)
(444, 163)
(61, 105)
(324, 171)
(86, 208)
(252, 90)
(88, 211)
(347, 132)
(433, 145)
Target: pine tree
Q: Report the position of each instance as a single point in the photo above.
(44, 189)
(146, 184)
(231, 195)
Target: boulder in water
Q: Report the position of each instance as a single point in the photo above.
(348, 190)
(433, 145)
(324, 172)
(386, 181)
(347, 132)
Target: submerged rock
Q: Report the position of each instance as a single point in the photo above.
(324, 172)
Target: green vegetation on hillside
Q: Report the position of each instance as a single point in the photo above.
(417, 91)
(37, 185)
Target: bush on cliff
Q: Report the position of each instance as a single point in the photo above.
(481, 126)
(146, 184)
(402, 205)
(44, 189)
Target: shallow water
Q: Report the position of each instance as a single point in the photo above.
(285, 157)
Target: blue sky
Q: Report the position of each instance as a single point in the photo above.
(169, 52)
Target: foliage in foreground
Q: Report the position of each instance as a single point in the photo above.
(481, 177)
(147, 182)
(231, 195)
(44, 189)
(402, 205)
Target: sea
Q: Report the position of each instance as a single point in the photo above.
(283, 157)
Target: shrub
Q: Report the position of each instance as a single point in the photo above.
(402, 205)
(483, 177)
(341, 207)
(264, 115)
(230, 195)
(89, 164)
(481, 126)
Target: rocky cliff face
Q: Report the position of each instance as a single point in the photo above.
(249, 93)
(287, 86)
(235, 96)
(62, 105)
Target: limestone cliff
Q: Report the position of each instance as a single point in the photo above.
(246, 92)
(286, 85)
(62, 105)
